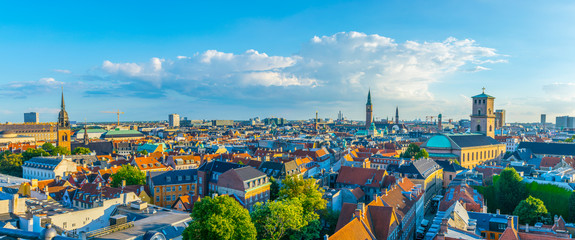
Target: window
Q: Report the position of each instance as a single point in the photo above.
(174, 188)
(188, 187)
(157, 198)
(491, 235)
(157, 189)
(180, 188)
(200, 180)
(168, 189)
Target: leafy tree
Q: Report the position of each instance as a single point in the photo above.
(220, 218)
(131, 174)
(60, 151)
(274, 189)
(33, 152)
(306, 190)
(411, 151)
(48, 147)
(143, 152)
(454, 160)
(530, 210)
(422, 154)
(81, 151)
(572, 207)
(274, 219)
(11, 163)
(310, 195)
(510, 190)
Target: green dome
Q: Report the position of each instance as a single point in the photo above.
(438, 141)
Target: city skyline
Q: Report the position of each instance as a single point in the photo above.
(289, 60)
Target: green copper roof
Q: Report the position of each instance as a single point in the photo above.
(122, 132)
(483, 95)
(438, 141)
(368, 98)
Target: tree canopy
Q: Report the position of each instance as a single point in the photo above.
(310, 196)
(81, 151)
(530, 210)
(572, 207)
(48, 147)
(60, 151)
(274, 189)
(509, 190)
(220, 218)
(131, 174)
(414, 151)
(33, 152)
(11, 163)
(274, 219)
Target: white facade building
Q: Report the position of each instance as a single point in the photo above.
(43, 168)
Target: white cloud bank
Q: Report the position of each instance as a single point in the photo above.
(328, 66)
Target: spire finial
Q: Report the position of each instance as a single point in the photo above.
(483, 89)
(369, 97)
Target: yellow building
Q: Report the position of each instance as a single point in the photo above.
(469, 150)
(483, 114)
(45, 132)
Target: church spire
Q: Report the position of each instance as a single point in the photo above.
(63, 105)
(396, 115)
(368, 97)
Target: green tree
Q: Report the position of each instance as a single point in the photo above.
(510, 190)
(11, 163)
(274, 189)
(131, 174)
(306, 190)
(48, 147)
(572, 207)
(422, 154)
(143, 152)
(81, 151)
(60, 151)
(220, 218)
(530, 210)
(274, 219)
(411, 151)
(33, 152)
(310, 195)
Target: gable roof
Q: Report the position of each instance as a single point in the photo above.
(361, 176)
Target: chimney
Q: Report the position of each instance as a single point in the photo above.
(527, 227)
(99, 185)
(359, 210)
(123, 183)
(444, 225)
(498, 211)
(326, 237)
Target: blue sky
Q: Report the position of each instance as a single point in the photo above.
(240, 59)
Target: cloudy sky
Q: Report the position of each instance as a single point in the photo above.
(242, 59)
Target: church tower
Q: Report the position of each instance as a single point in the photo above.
(368, 111)
(64, 131)
(483, 116)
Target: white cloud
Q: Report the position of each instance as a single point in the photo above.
(22, 89)
(338, 67)
(66, 71)
(560, 91)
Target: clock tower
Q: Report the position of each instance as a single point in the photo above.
(368, 111)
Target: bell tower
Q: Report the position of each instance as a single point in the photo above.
(483, 114)
(368, 111)
(64, 131)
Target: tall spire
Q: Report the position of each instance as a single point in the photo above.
(63, 105)
(368, 97)
(397, 115)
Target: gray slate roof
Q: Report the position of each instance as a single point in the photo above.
(173, 177)
(49, 163)
(549, 148)
(472, 140)
(249, 173)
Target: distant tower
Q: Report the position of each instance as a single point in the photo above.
(174, 120)
(316, 120)
(543, 120)
(86, 139)
(368, 111)
(439, 125)
(64, 131)
(482, 116)
(396, 115)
